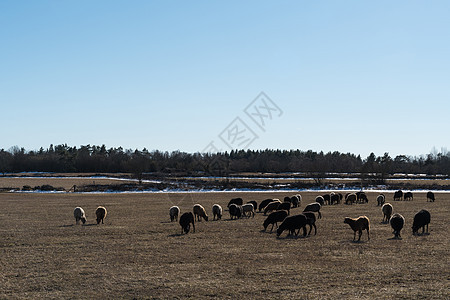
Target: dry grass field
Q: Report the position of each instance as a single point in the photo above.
(138, 253)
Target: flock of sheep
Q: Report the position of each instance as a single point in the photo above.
(279, 212)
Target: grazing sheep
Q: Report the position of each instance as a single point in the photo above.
(79, 214)
(235, 211)
(248, 208)
(335, 199)
(350, 198)
(296, 200)
(421, 219)
(264, 203)
(200, 212)
(100, 212)
(408, 196)
(255, 204)
(314, 207)
(359, 224)
(361, 197)
(285, 206)
(387, 210)
(287, 199)
(430, 196)
(326, 199)
(398, 195)
(292, 223)
(274, 218)
(237, 201)
(397, 221)
(217, 211)
(272, 206)
(381, 199)
(186, 220)
(174, 211)
(320, 200)
(311, 221)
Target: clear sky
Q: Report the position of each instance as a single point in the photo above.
(350, 76)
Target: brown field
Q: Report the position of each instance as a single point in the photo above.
(139, 254)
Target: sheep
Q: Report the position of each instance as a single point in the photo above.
(335, 198)
(200, 212)
(100, 212)
(359, 224)
(217, 212)
(186, 220)
(272, 206)
(421, 219)
(287, 199)
(237, 201)
(387, 210)
(313, 207)
(235, 211)
(398, 195)
(350, 198)
(248, 208)
(430, 196)
(320, 200)
(311, 221)
(361, 197)
(174, 212)
(292, 223)
(296, 200)
(381, 199)
(274, 218)
(255, 204)
(264, 203)
(408, 196)
(285, 206)
(326, 199)
(79, 214)
(397, 221)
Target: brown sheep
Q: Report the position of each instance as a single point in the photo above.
(359, 224)
(200, 212)
(272, 206)
(387, 210)
(351, 198)
(100, 212)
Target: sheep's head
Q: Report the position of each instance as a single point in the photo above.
(206, 218)
(187, 228)
(83, 219)
(279, 231)
(347, 220)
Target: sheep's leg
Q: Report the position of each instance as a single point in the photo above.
(354, 235)
(315, 229)
(310, 228)
(193, 227)
(359, 235)
(320, 215)
(368, 234)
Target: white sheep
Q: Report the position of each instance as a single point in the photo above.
(200, 212)
(174, 212)
(79, 214)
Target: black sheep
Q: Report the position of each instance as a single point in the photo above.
(274, 218)
(421, 219)
(264, 203)
(398, 195)
(408, 196)
(397, 221)
(186, 220)
(311, 221)
(285, 206)
(430, 196)
(295, 200)
(235, 211)
(320, 200)
(292, 223)
(237, 201)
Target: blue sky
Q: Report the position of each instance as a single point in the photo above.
(350, 76)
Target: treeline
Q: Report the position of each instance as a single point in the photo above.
(99, 159)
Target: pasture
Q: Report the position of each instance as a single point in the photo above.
(139, 253)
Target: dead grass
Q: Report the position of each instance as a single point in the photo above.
(139, 254)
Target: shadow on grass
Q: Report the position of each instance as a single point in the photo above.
(91, 224)
(71, 225)
(395, 238)
(179, 234)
